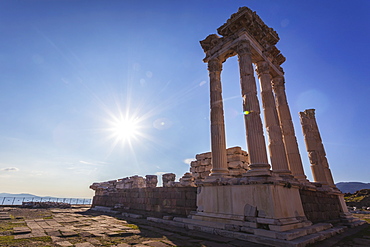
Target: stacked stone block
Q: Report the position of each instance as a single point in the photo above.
(168, 179)
(150, 181)
(104, 187)
(170, 200)
(237, 163)
(320, 206)
(131, 182)
(187, 180)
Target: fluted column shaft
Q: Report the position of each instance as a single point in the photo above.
(255, 139)
(321, 150)
(218, 140)
(307, 121)
(278, 158)
(287, 128)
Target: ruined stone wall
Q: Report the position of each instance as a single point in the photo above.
(171, 200)
(320, 206)
(237, 162)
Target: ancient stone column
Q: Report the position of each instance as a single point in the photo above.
(315, 149)
(278, 158)
(254, 131)
(287, 128)
(218, 140)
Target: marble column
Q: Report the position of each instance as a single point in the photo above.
(312, 140)
(319, 149)
(255, 138)
(218, 140)
(276, 147)
(287, 128)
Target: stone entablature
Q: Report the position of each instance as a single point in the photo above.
(245, 25)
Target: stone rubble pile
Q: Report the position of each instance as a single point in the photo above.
(187, 180)
(237, 162)
(150, 181)
(131, 182)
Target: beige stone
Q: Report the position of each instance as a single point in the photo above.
(287, 128)
(218, 139)
(278, 158)
(168, 179)
(231, 200)
(315, 149)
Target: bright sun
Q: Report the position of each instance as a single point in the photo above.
(125, 129)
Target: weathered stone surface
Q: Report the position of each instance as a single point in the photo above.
(168, 179)
(151, 181)
(237, 164)
(250, 211)
(85, 244)
(21, 230)
(315, 148)
(64, 243)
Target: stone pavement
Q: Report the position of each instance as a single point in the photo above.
(80, 227)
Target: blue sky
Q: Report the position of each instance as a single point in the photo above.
(71, 70)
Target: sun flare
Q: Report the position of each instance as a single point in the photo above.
(125, 129)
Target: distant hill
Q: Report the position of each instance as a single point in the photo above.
(18, 199)
(352, 187)
(17, 195)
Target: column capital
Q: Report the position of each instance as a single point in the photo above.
(262, 67)
(214, 65)
(243, 47)
(278, 82)
(309, 113)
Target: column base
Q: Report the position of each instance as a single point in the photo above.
(301, 178)
(219, 172)
(258, 169)
(284, 174)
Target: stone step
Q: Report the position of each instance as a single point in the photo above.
(134, 216)
(293, 238)
(300, 232)
(355, 223)
(104, 209)
(315, 237)
(212, 224)
(167, 222)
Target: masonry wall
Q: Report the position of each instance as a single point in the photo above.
(320, 206)
(159, 200)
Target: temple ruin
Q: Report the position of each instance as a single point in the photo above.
(261, 194)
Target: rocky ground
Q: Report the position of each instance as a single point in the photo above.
(359, 199)
(80, 227)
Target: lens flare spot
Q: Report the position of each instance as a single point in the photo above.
(162, 123)
(246, 112)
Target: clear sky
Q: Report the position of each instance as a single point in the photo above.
(73, 73)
